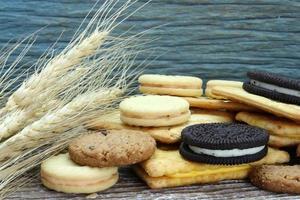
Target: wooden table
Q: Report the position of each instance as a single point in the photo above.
(131, 187)
(213, 39)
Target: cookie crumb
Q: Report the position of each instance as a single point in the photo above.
(92, 196)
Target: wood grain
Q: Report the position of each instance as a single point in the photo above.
(212, 39)
(131, 187)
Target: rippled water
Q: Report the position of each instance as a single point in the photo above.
(209, 39)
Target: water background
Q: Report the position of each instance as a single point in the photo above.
(210, 39)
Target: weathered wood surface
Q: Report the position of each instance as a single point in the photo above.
(130, 187)
(207, 38)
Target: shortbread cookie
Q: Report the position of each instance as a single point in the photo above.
(169, 169)
(186, 86)
(273, 86)
(274, 125)
(167, 134)
(154, 111)
(280, 109)
(278, 141)
(61, 174)
(223, 143)
(224, 83)
(277, 178)
(111, 148)
(217, 104)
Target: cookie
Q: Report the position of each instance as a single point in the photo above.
(111, 148)
(283, 179)
(274, 125)
(169, 169)
(224, 83)
(273, 86)
(277, 108)
(223, 143)
(217, 104)
(166, 134)
(186, 86)
(61, 174)
(154, 111)
(279, 142)
(298, 150)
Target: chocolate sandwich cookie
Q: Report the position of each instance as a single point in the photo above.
(273, 86)
(223, 143)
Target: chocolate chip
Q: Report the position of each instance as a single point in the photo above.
(91, 147)
(104, 132)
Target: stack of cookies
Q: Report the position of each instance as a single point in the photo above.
(164, 113)
(91, 165)
(210, 144)
(277, 97)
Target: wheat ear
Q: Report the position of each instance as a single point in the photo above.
(89, 75)
(55, 123)
(54, 69)
(10, 175)
(85, 45)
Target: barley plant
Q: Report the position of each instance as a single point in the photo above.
(85, 80)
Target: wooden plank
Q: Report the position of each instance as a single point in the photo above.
(131, 187)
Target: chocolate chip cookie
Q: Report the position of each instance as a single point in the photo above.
(111, 148)
(277, 178)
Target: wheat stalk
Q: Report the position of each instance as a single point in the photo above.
(58, 66)
(66, 68)
(91, 75)
(83, 87)
(12, 176)
(57, 122)
(85, 45)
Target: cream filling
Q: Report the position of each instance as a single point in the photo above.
(276, 88)
(82, 182)
(226, 153)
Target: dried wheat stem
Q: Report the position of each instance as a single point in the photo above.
(57, 122)
(10, 174)
(57, 67)
(15, 121)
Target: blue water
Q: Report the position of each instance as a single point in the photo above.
(209, 39)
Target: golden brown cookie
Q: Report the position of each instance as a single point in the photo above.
(166, 168)
(223, 83)
(167, 134)
(217, 104)
(111, 148)
(298, 150)
(277, 178)
(61, 174)
(277, 108)
(274, 125)
(186, 86)
(278, 142)
(154, 111)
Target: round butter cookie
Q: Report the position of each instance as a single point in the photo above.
(185, 86)
(61, 174)
(223, 83)
(112, 148)
(223, 143)
(154, 111)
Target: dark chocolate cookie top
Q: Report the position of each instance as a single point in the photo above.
(224, 136)
(275, 79)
